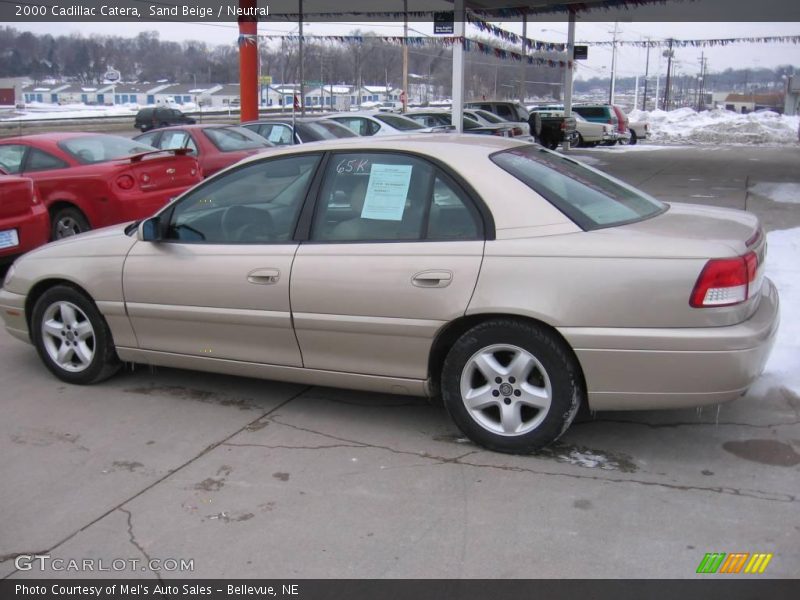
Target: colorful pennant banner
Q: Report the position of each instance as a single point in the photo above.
(398, 40)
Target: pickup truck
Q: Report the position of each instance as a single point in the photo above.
(551, 127)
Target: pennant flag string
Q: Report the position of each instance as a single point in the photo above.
(398, 40)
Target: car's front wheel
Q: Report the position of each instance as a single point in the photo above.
(72, 337)
(511, 386)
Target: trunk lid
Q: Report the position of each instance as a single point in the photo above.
(164, 170)
(724, 232)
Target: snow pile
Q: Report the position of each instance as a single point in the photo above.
(783, 267)
(778, 192)
(686, 125)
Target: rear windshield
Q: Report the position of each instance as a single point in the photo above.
(491, 117)
(400, 123)
(591, 111)
(592, 199)
(324, 130)
(91, 149)
(230, 139)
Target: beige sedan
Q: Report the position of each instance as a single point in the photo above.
(514, 283)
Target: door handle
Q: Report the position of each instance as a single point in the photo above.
(264, 276)
(430, 279)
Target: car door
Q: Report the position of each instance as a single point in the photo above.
(393, 253)
(216, 282)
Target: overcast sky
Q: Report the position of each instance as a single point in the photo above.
(630, 60)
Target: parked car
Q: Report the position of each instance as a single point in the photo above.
(521, 130)
(515, 282)
(153, 117)
(510, 111)
(587, 133)
(214, 146)
(640, 130)
(278, 130)
(444, 118)
(89, 180)
(368, 124)
(606, 113)
(391, 106)
(24, 222)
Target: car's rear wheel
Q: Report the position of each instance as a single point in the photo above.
(72, 337)
(511, 386)
(634, 138)
(68, 221)
(580, 143)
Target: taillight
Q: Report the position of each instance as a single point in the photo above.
(516, 131)
(126, 182)
(725, 281)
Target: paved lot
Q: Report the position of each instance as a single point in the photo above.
(256, 478)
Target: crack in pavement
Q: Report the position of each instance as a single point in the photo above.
(172, 472)
(133, 541)
(458, 460)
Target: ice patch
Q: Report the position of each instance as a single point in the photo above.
(783, 268)
(778, 192)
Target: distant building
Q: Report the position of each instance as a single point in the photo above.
(746, 103)
(11, 90)
(225, 96)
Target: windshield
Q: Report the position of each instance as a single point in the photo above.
(399, 123)
(91, 149)
(323, 130)
(230, 139)
(590, 198)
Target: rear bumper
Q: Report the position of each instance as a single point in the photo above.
(33, 230)
(638, 369)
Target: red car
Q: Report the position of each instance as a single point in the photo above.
(89, 180)
(24, 223)
(215, 146)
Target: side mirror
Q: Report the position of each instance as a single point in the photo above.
(149, 230)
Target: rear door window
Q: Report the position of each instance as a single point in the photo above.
(38, 160)
(374, 197)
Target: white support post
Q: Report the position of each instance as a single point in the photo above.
(459, 30)
(524, 61)
(568, 70)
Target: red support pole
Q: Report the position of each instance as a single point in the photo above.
(248, 61)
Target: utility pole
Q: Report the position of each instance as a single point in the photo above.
(404, 95)
(646, 73)
(669, 53)
(613, 66)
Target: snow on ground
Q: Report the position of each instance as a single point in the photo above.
(685, 125)
(778, 192)
(783, 267)
(39, 110)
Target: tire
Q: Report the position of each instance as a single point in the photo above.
(580, 143)
(489, 363)
(66, 222)
(634, 138)
(72, 337)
